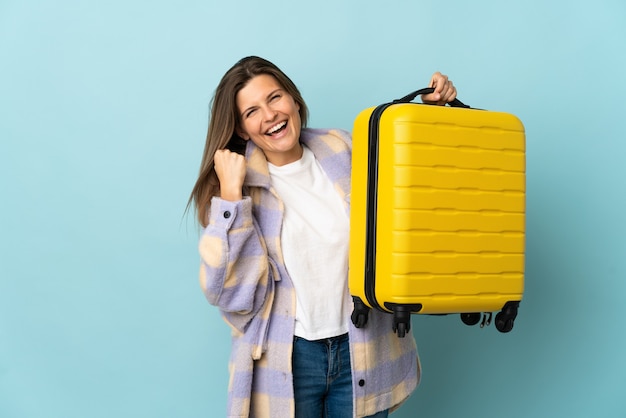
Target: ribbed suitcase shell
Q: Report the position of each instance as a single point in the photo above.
(449, 213)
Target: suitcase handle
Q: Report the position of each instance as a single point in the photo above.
(409, 97)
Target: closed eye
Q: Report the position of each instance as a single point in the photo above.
(272, 97)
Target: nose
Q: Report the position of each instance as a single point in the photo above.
(269, 114)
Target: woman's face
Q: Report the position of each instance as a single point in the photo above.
(270, 118)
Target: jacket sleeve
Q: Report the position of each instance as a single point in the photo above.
(235, 274)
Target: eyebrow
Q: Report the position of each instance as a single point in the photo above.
(266, 97)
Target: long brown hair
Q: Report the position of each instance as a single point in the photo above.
(225, 119)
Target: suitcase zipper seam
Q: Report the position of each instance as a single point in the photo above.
(372, 205)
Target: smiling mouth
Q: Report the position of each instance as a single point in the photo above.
(279, 127)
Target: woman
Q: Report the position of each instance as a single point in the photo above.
(273, 199)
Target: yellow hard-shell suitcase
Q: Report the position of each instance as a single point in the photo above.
(437, 213)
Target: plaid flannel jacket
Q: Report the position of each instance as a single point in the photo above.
(243, 274)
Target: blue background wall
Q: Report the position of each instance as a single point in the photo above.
(103, 113)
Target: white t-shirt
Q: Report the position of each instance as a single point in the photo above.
(315, 238)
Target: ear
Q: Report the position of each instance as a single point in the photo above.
(242, 134)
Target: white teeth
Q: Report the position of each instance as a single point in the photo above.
(276, 127)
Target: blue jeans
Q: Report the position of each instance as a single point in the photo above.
(322, 378)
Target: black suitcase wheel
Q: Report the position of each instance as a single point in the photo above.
(359, 320)
(401, 329)
(360, 312)
(504, 323)
(401, 320)
(506, 318)
(470, 318)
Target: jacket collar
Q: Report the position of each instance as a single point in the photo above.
(257, 170)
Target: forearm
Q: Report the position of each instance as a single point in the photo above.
(234, 270)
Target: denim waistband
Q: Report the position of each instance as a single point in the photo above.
(329, 340)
